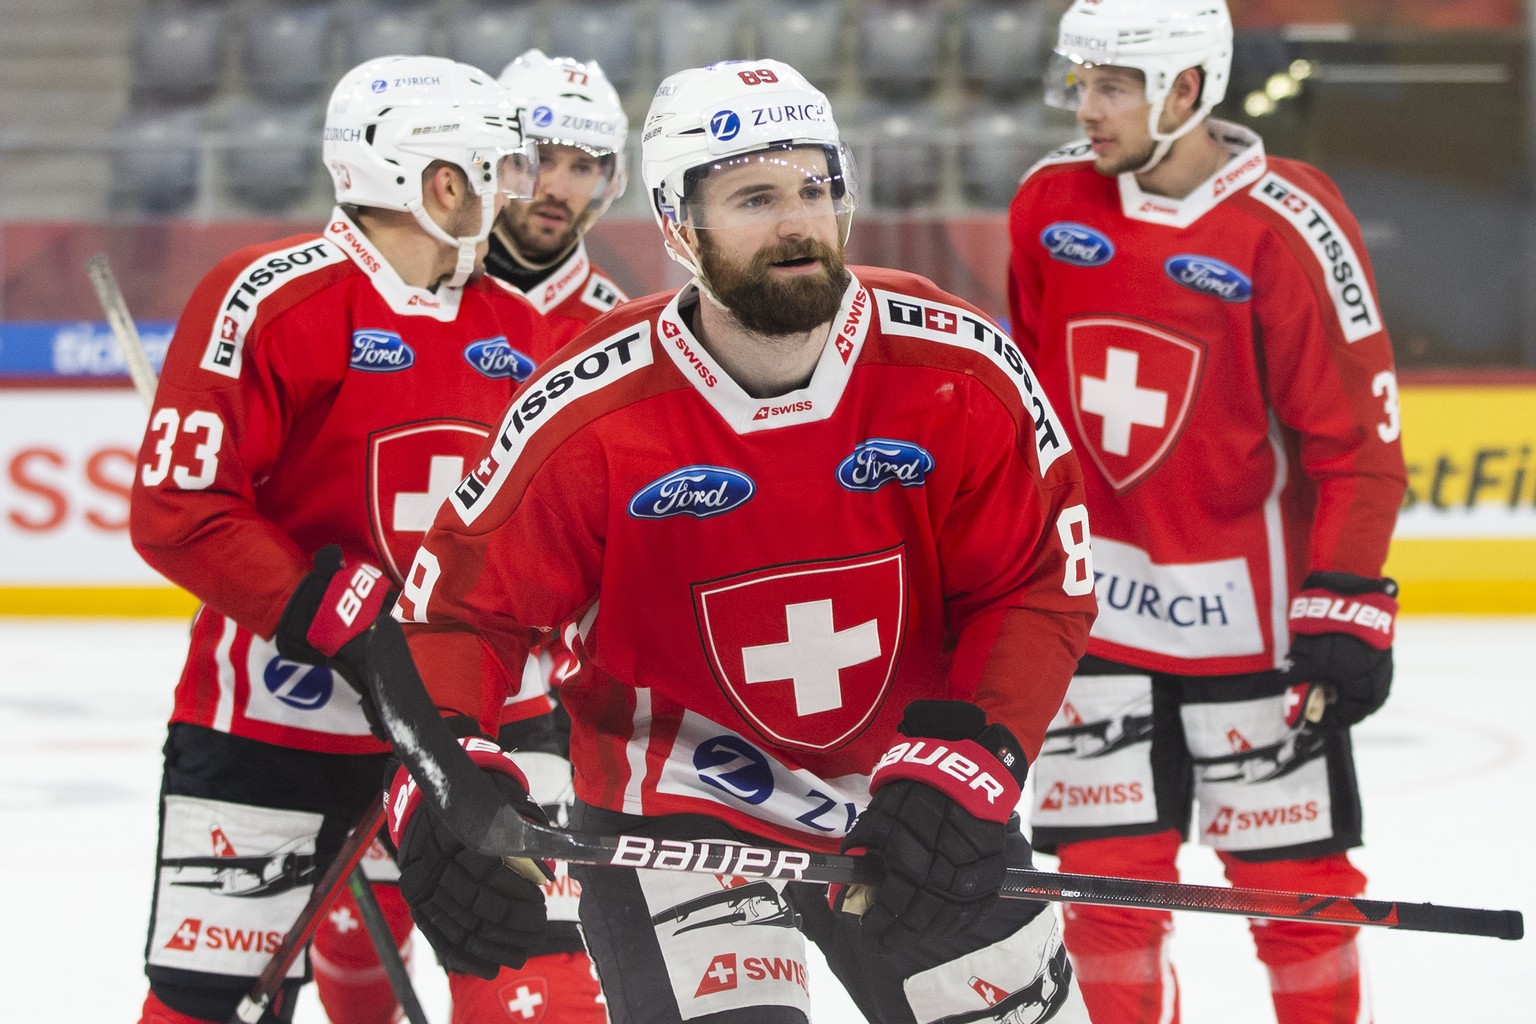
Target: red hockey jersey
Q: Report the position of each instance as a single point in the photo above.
(571, 296)
(309, 397)
(1222, 362)
(763, 585)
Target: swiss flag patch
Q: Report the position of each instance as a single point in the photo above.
(1132, 388)
(719, 976)
(806, 652)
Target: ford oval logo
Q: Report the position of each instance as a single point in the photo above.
(700, 491)
(497, 359)
(880, 461)
(1077, 244)
(1209, 276)
(302, 687)
(725, 125)
(380, 352)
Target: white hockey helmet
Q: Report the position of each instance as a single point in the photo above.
(1159, 38)
(714, 116)
(570, 103)
(391, 117)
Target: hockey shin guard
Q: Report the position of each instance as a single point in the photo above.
(1314, 970)
(1121, 955)
(556, 988)
(349, 978)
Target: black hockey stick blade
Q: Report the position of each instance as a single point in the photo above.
(452, 787)
(477, 814)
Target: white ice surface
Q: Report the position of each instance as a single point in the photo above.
(1448, 769)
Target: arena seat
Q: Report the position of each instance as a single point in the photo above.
(692, 33)
(899, 152)
(178, 52)
(157, 159)
(1003, 44)
(902, 47)
(378, 29)
(271, 153)
(805, 34)
(608, 33)
(490, 35)
(286, 49)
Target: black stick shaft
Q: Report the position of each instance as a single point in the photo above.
(384, 943)
(472, 809)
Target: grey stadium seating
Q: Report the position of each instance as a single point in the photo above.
(805, 34)
(608, 33)
(178, 52)
(157, 159)
(902, 47)
(271, 157)
(490, 34)
(286, 49)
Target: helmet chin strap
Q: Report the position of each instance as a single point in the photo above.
(683, 253)
(464, 265)
(1165, 140)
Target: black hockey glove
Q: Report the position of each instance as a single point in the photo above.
(937, 819)
(1341, 640)
(479, 912)
(326, 618)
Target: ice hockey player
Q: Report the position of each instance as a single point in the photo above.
(325, 389)
(823, 538)
(1206, 316)
(538, 246)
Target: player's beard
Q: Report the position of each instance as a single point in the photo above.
(766, 304)
(533, 245)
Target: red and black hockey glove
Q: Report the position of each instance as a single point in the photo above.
(1341, 640)
(938, 815)
(479, 912)
(325, 621)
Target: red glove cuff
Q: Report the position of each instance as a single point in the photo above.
(963, 770)
(404, 796)
(352, 600)
(1368, 617)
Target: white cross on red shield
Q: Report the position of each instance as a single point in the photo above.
(819, 635)
(404, 464)
(1165, 364)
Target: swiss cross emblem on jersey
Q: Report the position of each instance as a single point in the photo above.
(526, 999)
(1133, 385)
(806, 652)
(411, 469)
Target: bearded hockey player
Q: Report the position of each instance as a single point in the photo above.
(822, 536)
(1206, 316)
(538, 245)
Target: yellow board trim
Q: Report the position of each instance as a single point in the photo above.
(121, 602)
(1466, 577)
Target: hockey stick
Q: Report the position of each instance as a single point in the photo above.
(347, 859)
(378, 930)
(476, 813)
(123, 328)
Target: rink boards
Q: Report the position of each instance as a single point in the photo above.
(1466, 539)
